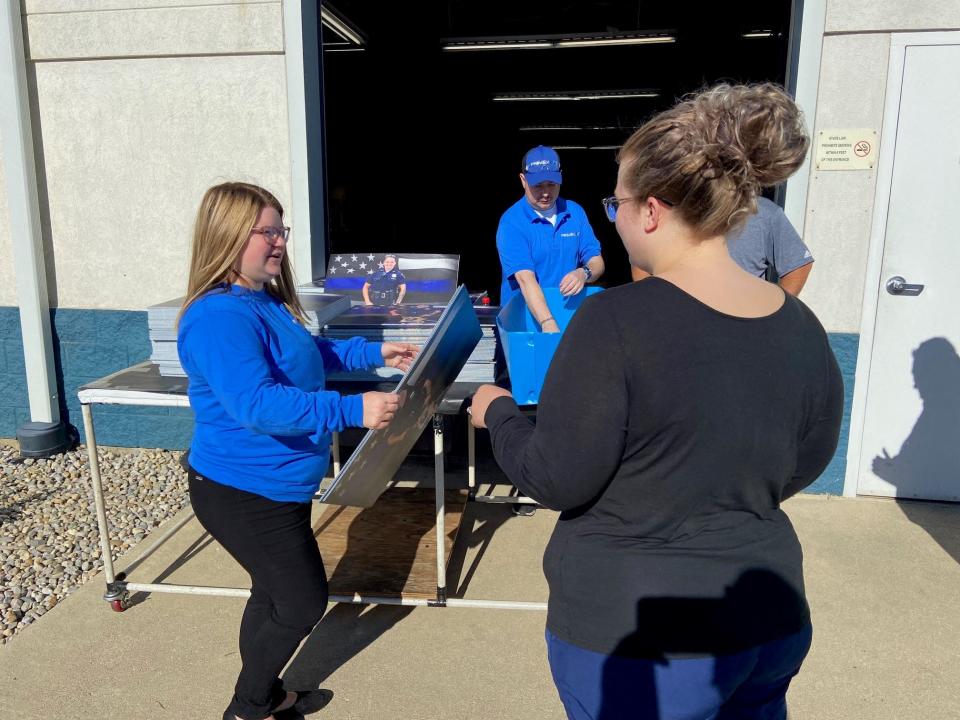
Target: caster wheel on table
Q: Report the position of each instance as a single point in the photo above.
(120, 604)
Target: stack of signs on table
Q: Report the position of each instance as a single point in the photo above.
(161, 322)
(413, 323)
(321, 309)
(161, 319)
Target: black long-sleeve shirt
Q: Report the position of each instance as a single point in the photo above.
(668, 433)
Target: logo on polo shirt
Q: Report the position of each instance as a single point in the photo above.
(569, 234)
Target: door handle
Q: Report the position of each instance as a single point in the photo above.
(898, 286)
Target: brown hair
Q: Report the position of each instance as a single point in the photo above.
(710, 154)
(227, 214)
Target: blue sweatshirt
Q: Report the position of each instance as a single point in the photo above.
(263, 418)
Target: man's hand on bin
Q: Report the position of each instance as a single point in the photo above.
(573, 282)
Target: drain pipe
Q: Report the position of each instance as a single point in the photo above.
(46, 434)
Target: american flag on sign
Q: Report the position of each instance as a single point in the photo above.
(430, 278)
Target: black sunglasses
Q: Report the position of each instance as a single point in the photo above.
(612, 203)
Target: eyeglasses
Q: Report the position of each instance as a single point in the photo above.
(612, 203)
(272, 234)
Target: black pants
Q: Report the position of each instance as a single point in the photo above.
(273, 542)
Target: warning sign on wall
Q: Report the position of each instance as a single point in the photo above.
(846, 149)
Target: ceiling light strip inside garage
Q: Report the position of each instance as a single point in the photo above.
(549, 42)
(588, 95)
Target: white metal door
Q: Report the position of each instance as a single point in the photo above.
(910, 445)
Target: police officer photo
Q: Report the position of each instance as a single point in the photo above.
(387, 286)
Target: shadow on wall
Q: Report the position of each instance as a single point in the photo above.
(931, 453)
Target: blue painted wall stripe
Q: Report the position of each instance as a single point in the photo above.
(845, 347)
(89, 344)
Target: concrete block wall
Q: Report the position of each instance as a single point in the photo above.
(174, 95)
(138, 106)
(89, 344)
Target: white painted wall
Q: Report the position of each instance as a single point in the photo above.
(891, 15)
(840, 203)
(140, 106)
(853, 75)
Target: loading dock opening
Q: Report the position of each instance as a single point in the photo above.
(429, 107)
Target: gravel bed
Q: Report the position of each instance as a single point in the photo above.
(49, 544)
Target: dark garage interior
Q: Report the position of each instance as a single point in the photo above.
(425, 131)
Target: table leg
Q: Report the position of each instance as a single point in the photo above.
(335, 447)
(116, 593)
(471, 456)
(441, 509)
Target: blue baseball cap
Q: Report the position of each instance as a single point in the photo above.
(542, 164)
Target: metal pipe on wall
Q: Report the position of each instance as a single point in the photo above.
(21, 176)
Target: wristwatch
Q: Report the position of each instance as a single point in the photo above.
(586, 273)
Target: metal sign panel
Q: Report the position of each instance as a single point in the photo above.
(379, 455)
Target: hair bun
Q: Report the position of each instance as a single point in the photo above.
(712, 152)
(758, 133)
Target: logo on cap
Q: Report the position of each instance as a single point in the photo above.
(543, 164)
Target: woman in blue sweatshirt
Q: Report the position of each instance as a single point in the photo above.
(263, 425)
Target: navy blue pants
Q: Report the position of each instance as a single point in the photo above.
(274, 543)
(750, 685)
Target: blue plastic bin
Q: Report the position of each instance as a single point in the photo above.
(528, 350)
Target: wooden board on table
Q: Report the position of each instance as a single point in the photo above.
(389, 549)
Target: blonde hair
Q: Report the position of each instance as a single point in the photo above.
(710, 154)
(225, 218)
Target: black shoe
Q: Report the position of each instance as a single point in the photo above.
(524, 509)
(308, 702)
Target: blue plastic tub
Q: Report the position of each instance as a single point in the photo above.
(528, 350)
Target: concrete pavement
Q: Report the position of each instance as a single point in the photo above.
(883, 579)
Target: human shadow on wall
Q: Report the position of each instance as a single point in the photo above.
(931, 452)
(737, 621)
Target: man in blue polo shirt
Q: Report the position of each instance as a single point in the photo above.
(545, 240)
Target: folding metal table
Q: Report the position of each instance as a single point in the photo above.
(143, 385)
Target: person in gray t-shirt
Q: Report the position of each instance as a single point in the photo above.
(767, 242)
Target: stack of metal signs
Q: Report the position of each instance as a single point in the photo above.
(161, 320)
(413, 323)
(163, 335)
(321, 309)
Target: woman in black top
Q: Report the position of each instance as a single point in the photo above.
(678, 413)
